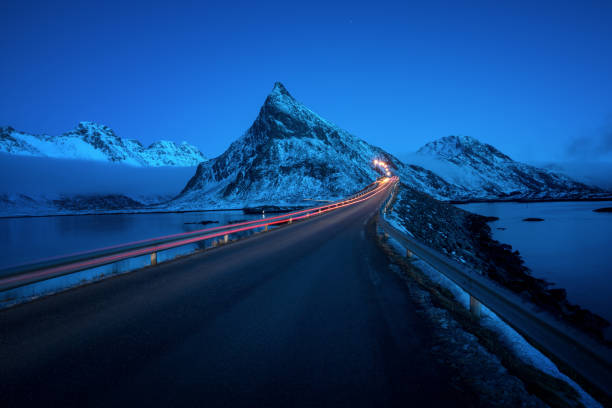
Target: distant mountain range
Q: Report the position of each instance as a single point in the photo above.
(290, 154)
(91, 141)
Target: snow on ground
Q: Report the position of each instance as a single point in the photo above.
(513, 340)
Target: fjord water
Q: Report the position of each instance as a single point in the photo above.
(32, 238)
(571, 248)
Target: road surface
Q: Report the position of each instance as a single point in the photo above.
(308, 315)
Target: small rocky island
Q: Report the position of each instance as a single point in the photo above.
(603, 210)
(203, 222)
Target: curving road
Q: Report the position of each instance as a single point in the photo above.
(307, 315)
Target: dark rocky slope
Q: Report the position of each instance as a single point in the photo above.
(466, 237)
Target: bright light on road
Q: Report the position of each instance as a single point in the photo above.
(384, 166)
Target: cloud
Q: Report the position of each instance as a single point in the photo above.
(593, 147)
(41, 175)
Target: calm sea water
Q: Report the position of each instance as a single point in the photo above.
(572, 247)
(28, 239)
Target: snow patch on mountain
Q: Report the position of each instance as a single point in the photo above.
(91, 141)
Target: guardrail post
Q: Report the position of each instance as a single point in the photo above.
(153, 258)
(225, 238)
(474, 306)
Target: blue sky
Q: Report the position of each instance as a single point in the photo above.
(532, 78)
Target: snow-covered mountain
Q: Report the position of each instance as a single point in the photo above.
(488, 174)
(91, 141)
(291, 154)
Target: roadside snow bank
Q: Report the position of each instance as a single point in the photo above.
(513, 340)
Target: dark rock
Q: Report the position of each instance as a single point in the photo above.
(533, 219)
(558, 294)
(236, 221)
(603, 210)
(97, 202)
(204, 222)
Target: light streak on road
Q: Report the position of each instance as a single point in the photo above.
(75, 266)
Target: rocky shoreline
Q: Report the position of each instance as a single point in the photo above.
(466, 237)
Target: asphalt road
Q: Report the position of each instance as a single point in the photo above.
(308, 315)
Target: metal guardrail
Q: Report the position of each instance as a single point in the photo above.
(26, 274)
(584, 355)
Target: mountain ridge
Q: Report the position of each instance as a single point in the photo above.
(93, 141)
(488, 174)
(289, 154)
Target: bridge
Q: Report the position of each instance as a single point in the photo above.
(305, 312)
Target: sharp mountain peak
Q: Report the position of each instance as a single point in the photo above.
(279, 88)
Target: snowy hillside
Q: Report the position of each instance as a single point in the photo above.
(487, 173)
(291, 154)
(91, 141)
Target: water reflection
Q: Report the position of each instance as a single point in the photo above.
(570, 248)
(28, 239)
